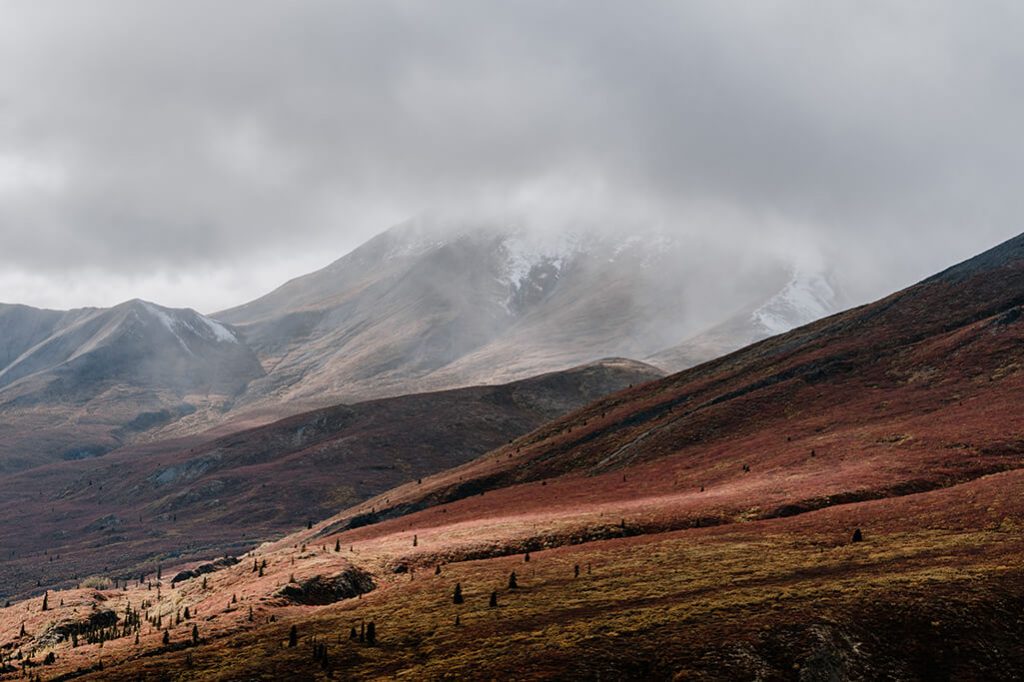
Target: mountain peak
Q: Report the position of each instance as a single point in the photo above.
(180, 321)
(807, 296)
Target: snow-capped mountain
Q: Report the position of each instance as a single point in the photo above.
(806, 296)
(430, 304)
(81, 382)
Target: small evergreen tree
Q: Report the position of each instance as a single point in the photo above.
(371, 633)
(512, 584)
(457, 598)
(167, 637)
(526, 557)
(494, 599)
(293, 637)
(858, 536)
(46, 600)
(337, 545)
(576, 570)
(195, 634)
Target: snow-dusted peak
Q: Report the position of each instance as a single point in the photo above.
(807, 296)
(189, 322)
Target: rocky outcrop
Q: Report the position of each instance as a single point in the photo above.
(320, 590)
(62, 630)
(202, 569)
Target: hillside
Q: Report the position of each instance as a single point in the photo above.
(196, 497)
(839, 502)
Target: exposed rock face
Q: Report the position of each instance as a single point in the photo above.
(320, 590)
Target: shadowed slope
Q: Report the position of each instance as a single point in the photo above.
(197, 498)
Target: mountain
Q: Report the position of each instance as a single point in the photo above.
(428, 305)
(79, 383)
(432, 304)
(841, 501)
(199, 497)
(806, 297)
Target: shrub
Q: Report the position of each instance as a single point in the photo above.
(97, 582)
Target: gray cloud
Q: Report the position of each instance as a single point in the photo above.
(199, 152)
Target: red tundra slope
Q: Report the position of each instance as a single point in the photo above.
(700, 527)
(193, 498)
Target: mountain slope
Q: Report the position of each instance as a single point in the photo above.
(80, 383)
(201, 497)
(838, 502)
(907, 391)
(430, 305)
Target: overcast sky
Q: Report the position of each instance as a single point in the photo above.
(200, 153)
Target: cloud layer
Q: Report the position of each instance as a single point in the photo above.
(200, 152)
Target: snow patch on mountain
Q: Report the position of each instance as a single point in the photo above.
(200, 326)
(221, 333)
(807, 296)
(524, 252)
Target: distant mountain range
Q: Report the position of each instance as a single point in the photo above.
(427, 305)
